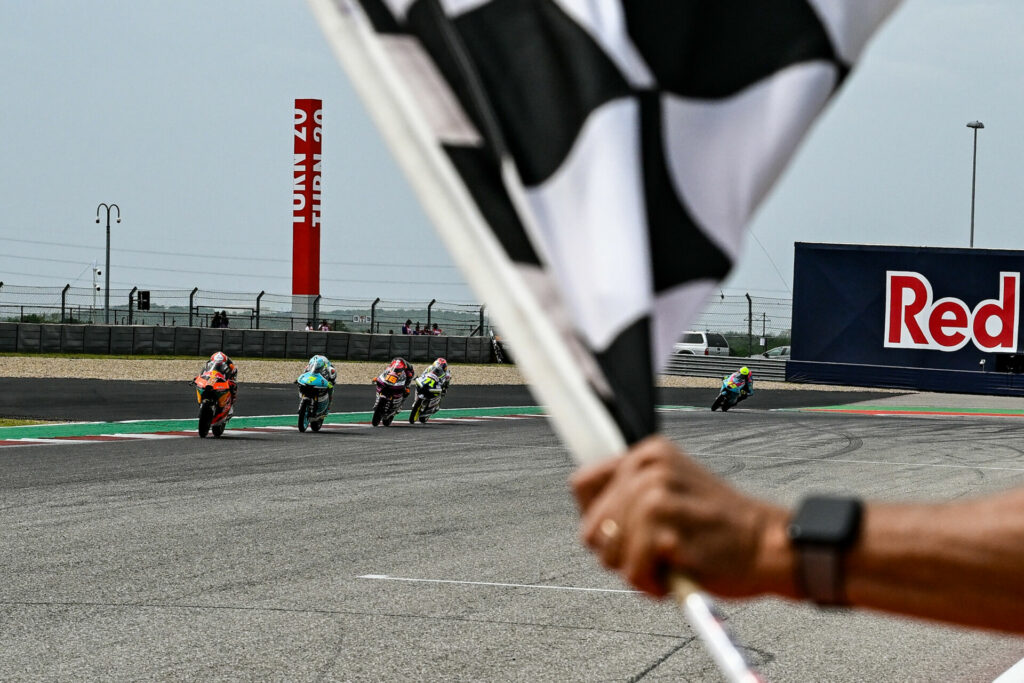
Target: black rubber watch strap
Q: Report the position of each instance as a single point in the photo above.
(822, 531)
(821, 575)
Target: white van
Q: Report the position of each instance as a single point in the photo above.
(701, 344)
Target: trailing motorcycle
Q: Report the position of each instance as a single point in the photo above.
(314, 400)
(213, 392)
(391, 393)
(728, 397)
(428, 398)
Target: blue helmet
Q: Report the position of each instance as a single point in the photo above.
(318, 364)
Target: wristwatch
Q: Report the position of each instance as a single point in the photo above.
(822, 531)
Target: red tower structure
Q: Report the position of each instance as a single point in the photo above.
(306, 164)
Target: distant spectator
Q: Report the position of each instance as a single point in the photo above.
(324, 327)
(436, 331)
(309, 326)
(224, 319)
(391, 331)
(407, 327)
(417, 330)
(216, 322)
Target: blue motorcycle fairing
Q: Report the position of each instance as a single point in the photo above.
(312, 379)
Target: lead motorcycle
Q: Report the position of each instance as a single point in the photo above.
(314, 400)
(729, 395)
(213, 392)
(391, 393)
(428, 398)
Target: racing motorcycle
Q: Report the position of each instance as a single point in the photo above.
(314, 400)
(428, 398)
(390, 397)
(213, 391)
(728, 396)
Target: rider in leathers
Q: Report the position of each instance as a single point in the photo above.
(439, 368)
(321, 365)
(744, 382)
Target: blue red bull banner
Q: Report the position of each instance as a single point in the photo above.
(923, 318)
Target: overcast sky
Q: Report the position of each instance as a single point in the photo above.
(181, 114)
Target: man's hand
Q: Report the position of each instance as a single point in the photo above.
(655, 511)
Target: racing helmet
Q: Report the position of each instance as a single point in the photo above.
(219, 362)
(744, 371)
(317, 363)
(441, 364)
(398, 365)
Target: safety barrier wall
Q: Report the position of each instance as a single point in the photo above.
(195, 341)
(720, 366)
(916, 318)
(911, 379)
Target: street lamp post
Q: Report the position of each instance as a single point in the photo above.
(974, 171)
(106, 285)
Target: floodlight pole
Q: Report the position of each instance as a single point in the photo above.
(976, 125)
(106, 290)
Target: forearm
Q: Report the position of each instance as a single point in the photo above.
(957, 562)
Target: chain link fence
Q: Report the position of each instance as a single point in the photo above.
(751, 324)
(242, 310)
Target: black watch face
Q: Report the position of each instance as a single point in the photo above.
(826, 521)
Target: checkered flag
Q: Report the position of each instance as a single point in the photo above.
(592, 164)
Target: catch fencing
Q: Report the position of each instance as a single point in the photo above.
(243, 310)
(744, 320)
(751, 324)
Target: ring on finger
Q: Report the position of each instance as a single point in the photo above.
(609, 528)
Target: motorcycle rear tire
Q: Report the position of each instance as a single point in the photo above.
(303, 415)
(378, 412)
(726, 405)
(415, 413)
(316, 425)
(217, 430)
(388, 420)
(717, 404)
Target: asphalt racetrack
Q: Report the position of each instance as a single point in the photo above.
(438, 552)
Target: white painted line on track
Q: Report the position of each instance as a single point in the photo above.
(385, 577)
(490, 446)
(144, 437)
(848, 461)
(34, 440)
(1015, 674)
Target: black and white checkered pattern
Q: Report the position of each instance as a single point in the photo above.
(618, 147)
